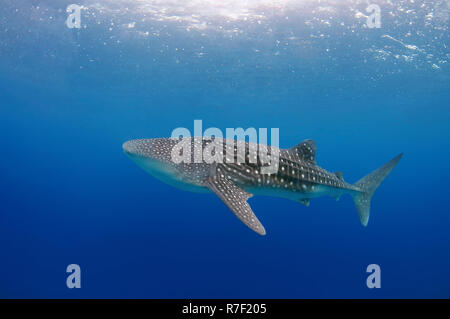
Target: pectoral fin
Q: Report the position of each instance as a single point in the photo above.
(236, 199)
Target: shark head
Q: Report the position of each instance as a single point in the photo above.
(152, 155)
(155, 157)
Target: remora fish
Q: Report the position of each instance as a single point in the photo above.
(296, 177)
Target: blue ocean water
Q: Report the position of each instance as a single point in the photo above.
(139, 69)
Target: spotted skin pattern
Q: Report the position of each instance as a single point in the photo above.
(233, 170)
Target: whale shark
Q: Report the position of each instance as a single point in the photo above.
(239, 171)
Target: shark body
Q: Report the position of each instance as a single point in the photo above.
(240, 176)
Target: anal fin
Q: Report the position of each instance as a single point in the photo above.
(304, 201)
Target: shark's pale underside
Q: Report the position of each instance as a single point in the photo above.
(296, 177)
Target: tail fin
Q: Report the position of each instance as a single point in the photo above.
(368, 185)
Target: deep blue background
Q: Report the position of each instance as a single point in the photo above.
(69, 195)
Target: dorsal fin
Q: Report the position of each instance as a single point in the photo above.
(305, 151)
(339, 175)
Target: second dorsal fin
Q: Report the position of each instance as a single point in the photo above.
(305, 151)
(339, 175)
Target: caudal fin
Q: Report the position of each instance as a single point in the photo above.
(368, 185)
